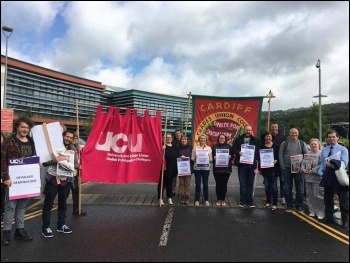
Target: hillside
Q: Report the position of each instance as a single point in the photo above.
(331, 113)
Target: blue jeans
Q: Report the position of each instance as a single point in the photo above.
(271, 190)
(201, 175)
(299, 188)
(246, 180)
(14, 209)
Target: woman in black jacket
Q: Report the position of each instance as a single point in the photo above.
(222, 168)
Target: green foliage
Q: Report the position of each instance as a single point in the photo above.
(88, 124)
(344, 141)
(306, 119)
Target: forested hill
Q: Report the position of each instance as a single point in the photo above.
(331, 113)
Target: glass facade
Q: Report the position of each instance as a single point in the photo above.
(49, 96)
(175, 107)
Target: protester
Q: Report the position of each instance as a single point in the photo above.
(170, 170)
(312, 181)
(277, 139)
(291, 148)
(269, 173)
(176, 142)
(20, 145)
(2, 185)
(58, 185)
(201, 173)
(329, 180)
(75, 185)
(246, 173)
(221, 170)
(185, 150)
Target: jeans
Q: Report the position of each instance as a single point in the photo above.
(201, 175)
(299, 188)
(167, 184)
(246, 180)
(75, 193)
(51, 192)
(271, 190)
(14, 207)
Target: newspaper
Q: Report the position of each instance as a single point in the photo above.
(66, 167)
(295, 163)
(310, 163)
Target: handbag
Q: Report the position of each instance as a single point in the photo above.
(342, 176)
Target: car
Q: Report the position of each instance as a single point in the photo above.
(308, 147)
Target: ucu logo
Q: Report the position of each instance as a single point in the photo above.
(16, 161)
(111, 143)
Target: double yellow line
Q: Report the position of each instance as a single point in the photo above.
(32, 214)
(323, 227)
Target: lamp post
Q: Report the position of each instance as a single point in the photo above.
(319, 96)
(7, 33)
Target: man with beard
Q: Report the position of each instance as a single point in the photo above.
(58, 184)
(246, 173)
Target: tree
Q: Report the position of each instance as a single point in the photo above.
(310, 127)
(88, 124)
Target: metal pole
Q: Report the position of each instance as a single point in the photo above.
(5, 77)
(319, 103)
(7, 31)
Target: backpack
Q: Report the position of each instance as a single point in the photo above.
(301, 146)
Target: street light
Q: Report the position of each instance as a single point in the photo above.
(7, 33)
(319, 96)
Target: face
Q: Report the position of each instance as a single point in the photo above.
(183, 141)
(268, 138)
(247, 131)
(222, 139)
(168, 139)
(274, 128)
(23, 130)
(294, 133)
(314, 145)
(332, 138)
(75, 140)
(178, 135)
(202, 140)
(68, 138)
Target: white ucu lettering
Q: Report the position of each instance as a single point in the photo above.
(111, 142)
(16, 161)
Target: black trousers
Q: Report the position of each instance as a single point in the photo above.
(343, 203)
(75, 193)
(51, 191)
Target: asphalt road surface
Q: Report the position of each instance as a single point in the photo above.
(134, 231)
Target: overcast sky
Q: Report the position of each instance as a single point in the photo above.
(226, 49)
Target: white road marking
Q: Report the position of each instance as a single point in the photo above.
(166, 227)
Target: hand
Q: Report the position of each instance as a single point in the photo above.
(8, 183)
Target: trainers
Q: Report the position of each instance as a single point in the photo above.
(312, 214)
(47, 232)
(289, 209)
(300, 210)
(161, 202)
(241, 205)
(170, 202)
(274, 207)
(251, 205)
(64, 229)
(22, 235)
(196, 203)
(206, 203)
(283, 201)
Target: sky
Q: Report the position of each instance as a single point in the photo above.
(224, 49)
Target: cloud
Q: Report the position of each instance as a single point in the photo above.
(229, 49)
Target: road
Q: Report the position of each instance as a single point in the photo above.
(120, 227)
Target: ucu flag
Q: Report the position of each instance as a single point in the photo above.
(123, 148)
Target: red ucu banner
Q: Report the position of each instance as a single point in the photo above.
(123, 148)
